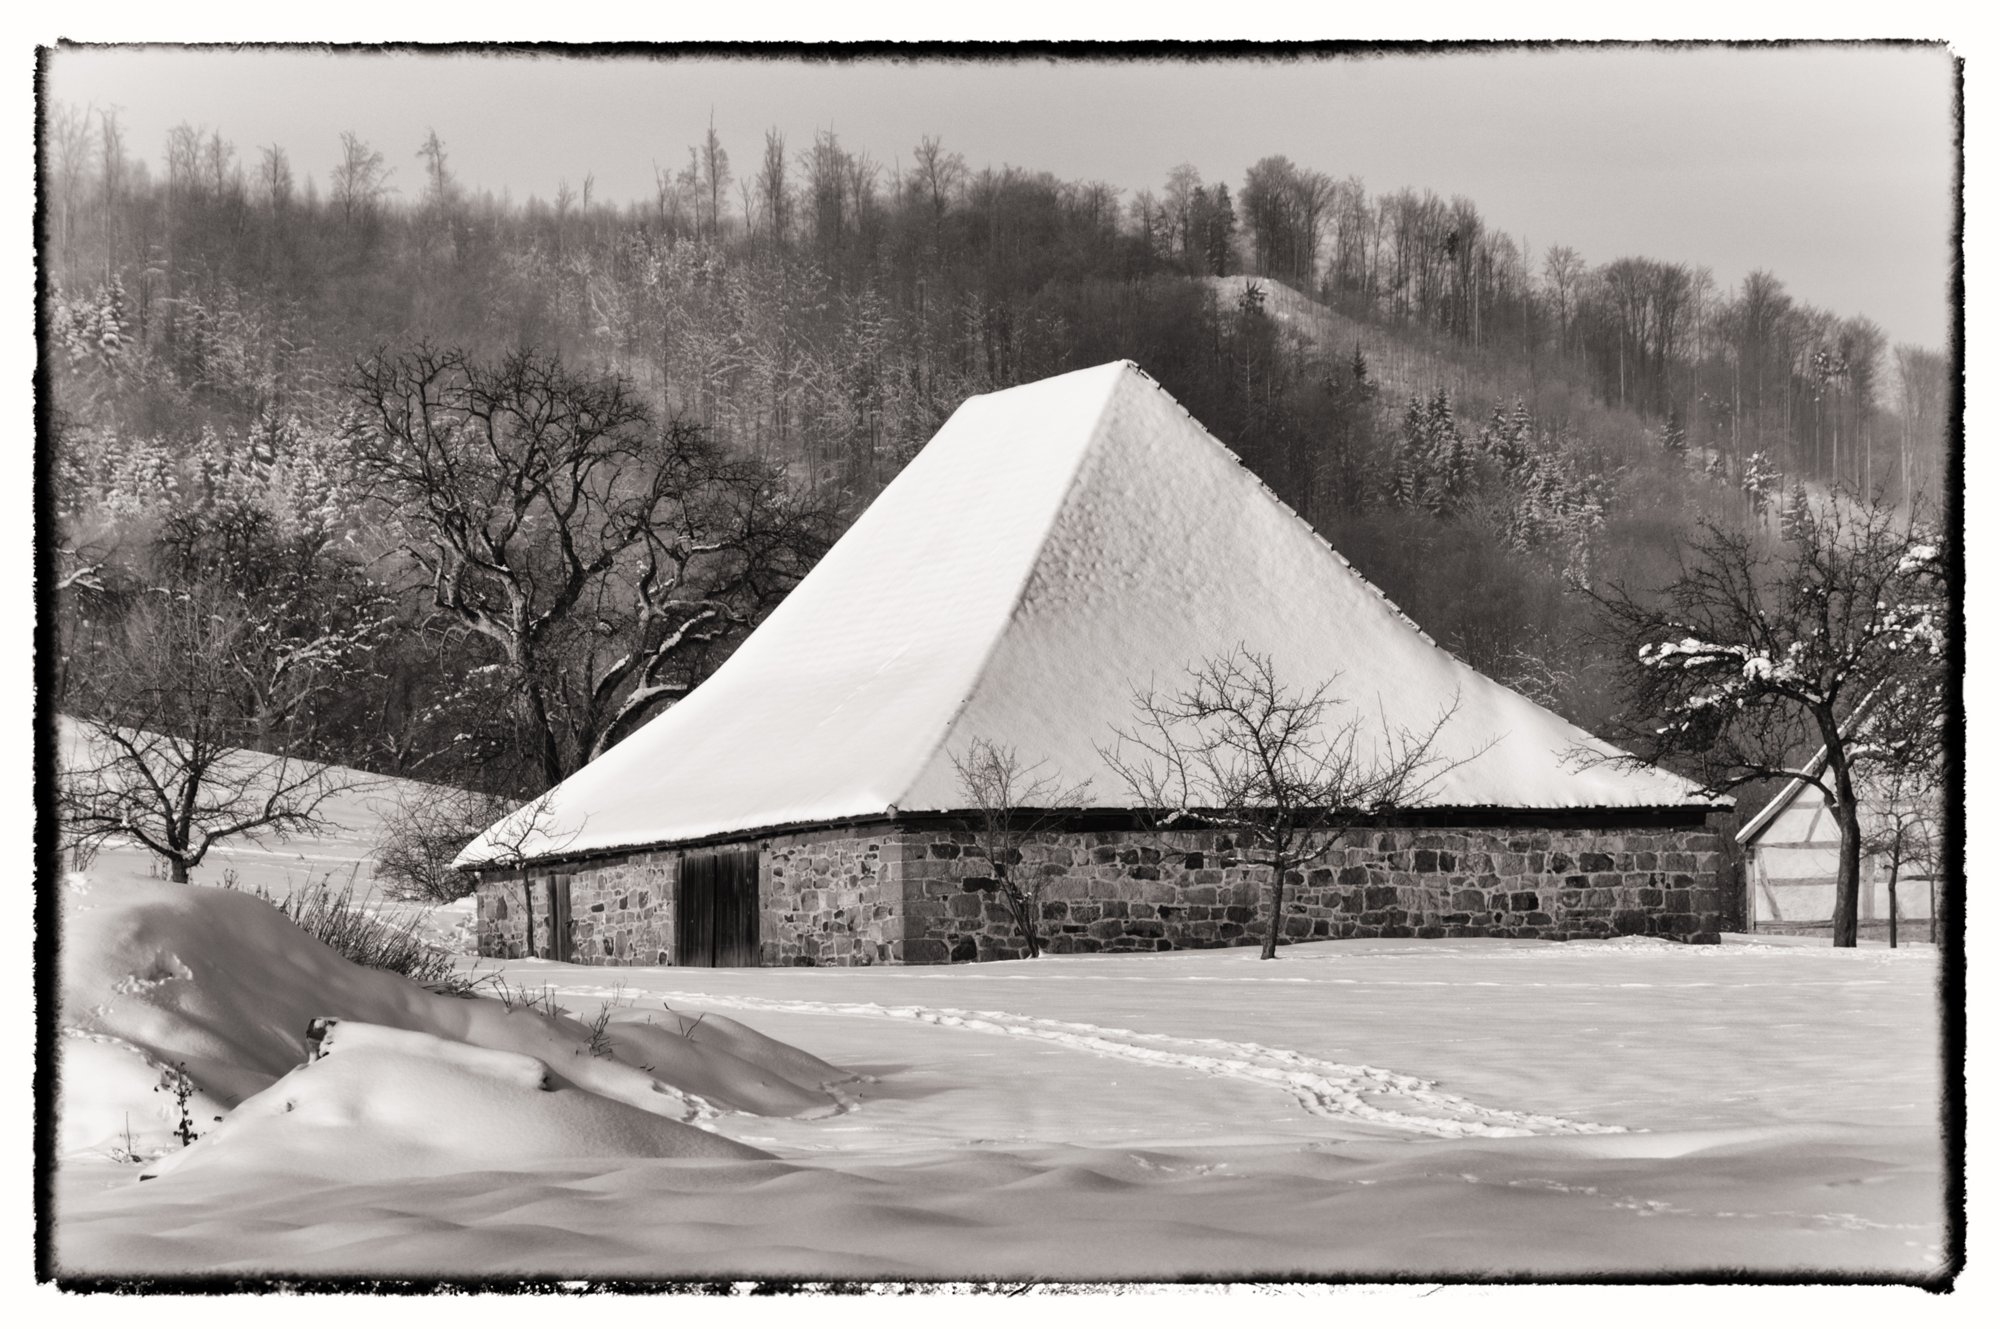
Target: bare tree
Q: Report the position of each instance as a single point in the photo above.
(1923, 382)
(358, 178)
(1903, 831)
(1234, 748)
(69, 139)
(939, 176)
(1563, 273)
(523, 838)
(1010, 805)
(1749, 660)
(604, 559)
(274, 178)
(1900, 763)
(715, 176)
(773, 193)
(666, 200)
(565, 200)
(312, 619)
(440, 202)
(424, 834)
(113, 171)
(1285, 210)
(215, 159)
(158, 758)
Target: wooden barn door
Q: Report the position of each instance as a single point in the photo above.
(560, 922)
(715, 910)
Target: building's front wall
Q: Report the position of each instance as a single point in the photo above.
(821, 900)
(621, 910)
(1125, 891)
(891, 893)
(831, 897)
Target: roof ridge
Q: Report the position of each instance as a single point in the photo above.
(1294, 514)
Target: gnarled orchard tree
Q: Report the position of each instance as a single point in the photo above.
(1753, 658)
(1283, 770)
(608, 560)
(158, 754)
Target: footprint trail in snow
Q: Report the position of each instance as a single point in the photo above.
(1328, 1089)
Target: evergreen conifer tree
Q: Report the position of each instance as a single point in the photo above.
(1673, 433)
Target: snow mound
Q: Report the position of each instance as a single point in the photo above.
(393, 1103)
(161, 981)
(737, 1068)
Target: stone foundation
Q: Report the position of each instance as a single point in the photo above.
(921, 893)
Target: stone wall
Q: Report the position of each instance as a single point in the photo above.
(918, 894)
(1121, 891)
(497, 917)
(832, 897)
(621, 911)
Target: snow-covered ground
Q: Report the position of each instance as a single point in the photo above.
(1352, 1108)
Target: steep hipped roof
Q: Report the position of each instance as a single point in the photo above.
(1054, 547)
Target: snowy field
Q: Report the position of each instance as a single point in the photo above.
(1352, 1109)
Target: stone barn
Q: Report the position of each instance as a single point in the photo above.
(1054, 548)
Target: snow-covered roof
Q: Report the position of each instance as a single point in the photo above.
(1055, 547)
(1755, 827)
(1853, 725)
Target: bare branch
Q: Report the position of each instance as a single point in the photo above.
(1235, 748)
(1011, 804)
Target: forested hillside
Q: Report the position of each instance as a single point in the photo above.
(268, 395)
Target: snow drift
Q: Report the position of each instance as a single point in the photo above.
(397, 1103)
(158, 977)
(1193, 1114)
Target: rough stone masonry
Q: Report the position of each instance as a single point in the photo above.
(918, 893)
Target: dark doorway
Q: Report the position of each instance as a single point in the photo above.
(715, 910)
(560, 923)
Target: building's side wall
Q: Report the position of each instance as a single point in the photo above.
(1792, 869)
(1123, 891)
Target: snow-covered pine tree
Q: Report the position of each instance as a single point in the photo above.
(1406, 477)
(1357, 368)
(1493, 435)
(1448, 458)
(1796, 511)
(1760, 483)
(1673, 433)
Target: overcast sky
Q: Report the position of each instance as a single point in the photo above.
(1831, 167)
